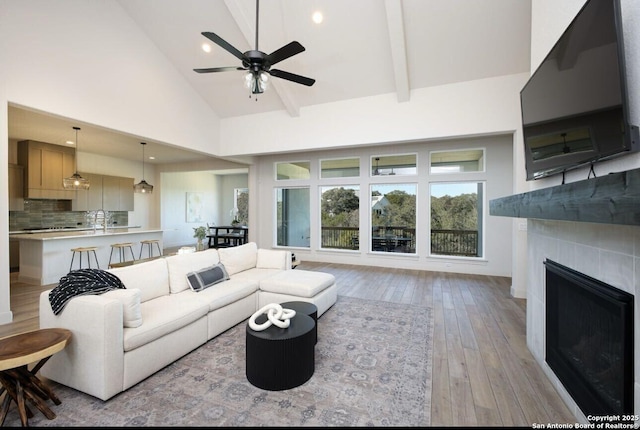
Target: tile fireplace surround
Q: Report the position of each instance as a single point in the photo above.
(610, 253)
(604, 250)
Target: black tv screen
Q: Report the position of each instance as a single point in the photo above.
(575, 105)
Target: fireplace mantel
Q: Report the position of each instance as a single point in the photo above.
(610, 199)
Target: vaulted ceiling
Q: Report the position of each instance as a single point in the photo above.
(361, 48)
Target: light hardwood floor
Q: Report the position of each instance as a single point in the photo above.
(483, 373)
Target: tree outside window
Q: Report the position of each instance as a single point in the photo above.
(340, 217)
(456, 219)
(393, 218)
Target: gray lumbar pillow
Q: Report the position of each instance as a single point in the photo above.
(207, 277)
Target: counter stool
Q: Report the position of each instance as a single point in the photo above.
(80, 250)
(121, 247)
(149, 243)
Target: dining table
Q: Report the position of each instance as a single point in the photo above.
(227, 235)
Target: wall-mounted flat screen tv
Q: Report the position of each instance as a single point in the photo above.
(575, 105)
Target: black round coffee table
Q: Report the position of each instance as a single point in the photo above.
(305, 308)
(281, 358)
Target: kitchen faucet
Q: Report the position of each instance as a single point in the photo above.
(104, 219)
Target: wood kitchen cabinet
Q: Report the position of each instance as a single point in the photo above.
(111, 193)
(45, 166)
(16, 187)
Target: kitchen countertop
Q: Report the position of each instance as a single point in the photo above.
(71, 229)
(58, 234)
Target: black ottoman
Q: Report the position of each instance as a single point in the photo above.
(281, 358)
(305, 308)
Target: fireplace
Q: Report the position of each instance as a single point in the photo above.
(589, 340)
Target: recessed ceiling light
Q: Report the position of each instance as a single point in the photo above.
(317, 17)
(152, 157)
(206, 47)
(70, 142)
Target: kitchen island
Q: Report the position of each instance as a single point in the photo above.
(45, 257)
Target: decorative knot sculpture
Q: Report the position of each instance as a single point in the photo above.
(276, 315)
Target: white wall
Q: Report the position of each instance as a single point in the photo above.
(177, 231)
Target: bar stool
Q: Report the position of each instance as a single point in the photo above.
(87, 250)
(149, 243)
(121, 247)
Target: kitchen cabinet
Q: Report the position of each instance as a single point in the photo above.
(16, 187)
(111, 193)
(45, 166)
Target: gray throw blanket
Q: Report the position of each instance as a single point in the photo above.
(82, 282)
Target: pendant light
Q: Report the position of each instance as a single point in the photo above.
(143, 186)
(75, 181)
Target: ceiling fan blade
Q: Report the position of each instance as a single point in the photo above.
(292, 77)
(218, 69)
(288, 50)
(224, 44)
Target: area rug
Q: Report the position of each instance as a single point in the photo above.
(373, 364)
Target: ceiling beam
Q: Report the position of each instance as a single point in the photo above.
(395, 25)
(246, 21)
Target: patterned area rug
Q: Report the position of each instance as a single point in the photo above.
(372, 368)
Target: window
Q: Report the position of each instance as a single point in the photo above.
(340, 168)
(456, 218)
(293, 170)
(390, 165)
(465, 160)
(393, 218)
(339, 217)
(292, 217)
(241, 205)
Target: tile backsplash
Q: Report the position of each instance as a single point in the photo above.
(55, 213)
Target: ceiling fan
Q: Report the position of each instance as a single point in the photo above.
(257, 63)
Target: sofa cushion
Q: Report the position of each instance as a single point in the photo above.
(273, 259)
(130, 299)
(224, 293)
(255, 274)
(151, 277)
(181, 264)
(301, 283)
(207, 277)
(163, 315)
(239, 258)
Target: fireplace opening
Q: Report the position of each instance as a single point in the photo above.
(589, 340)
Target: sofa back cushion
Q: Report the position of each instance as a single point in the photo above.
(151, 278)
(181, 264)
(239, 258)
(273, 259)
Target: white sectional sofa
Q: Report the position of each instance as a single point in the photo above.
(123, 336)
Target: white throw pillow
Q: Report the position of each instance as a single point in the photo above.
(130, 299)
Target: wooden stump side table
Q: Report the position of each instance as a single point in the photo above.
(21, 384)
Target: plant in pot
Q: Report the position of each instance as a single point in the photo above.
(200, 233)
